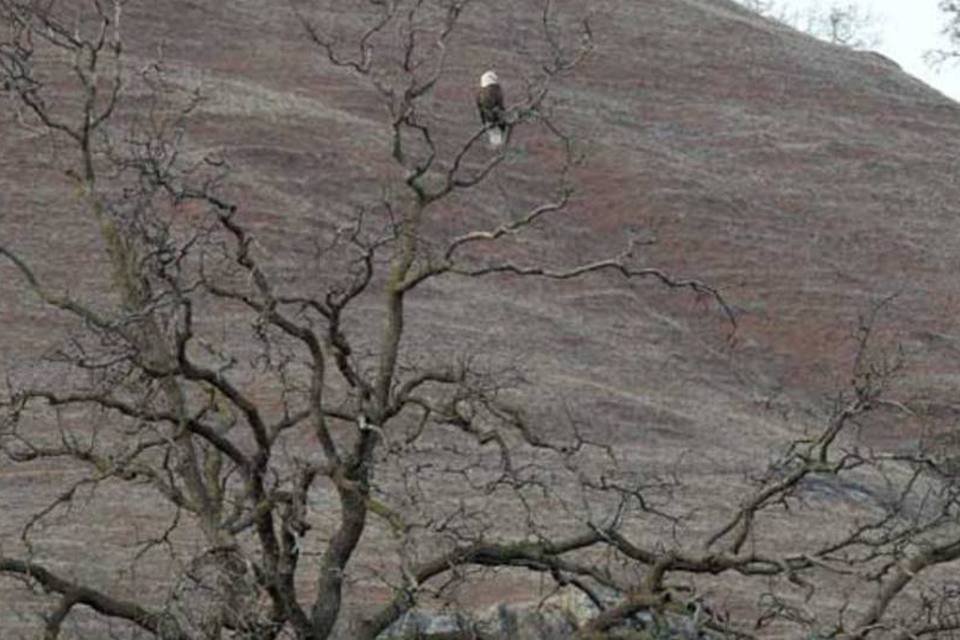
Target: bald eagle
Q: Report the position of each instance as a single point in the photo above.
(490, 103)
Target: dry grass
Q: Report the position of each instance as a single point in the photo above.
(803, 180)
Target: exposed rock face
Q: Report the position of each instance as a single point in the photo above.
(554, 618)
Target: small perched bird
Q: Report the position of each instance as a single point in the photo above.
(490, 103)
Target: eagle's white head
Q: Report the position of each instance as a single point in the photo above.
(489, 78)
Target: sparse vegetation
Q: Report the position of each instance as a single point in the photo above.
(848, 24)
(307, 468)
(951, 30)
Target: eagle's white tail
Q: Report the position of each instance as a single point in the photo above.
(495, 136)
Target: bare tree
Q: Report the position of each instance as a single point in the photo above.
(165, 407)
(847, 24)
(951, 31)
(850, 25)
(345, 433)
(770, 9)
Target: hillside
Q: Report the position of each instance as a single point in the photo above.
(806, 183)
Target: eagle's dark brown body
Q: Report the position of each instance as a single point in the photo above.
(490, 104)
